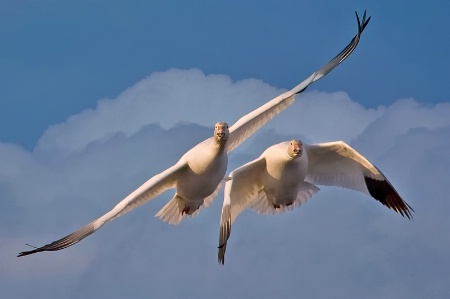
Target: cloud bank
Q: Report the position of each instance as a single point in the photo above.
(339, 244)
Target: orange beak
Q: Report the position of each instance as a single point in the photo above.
(296, 148)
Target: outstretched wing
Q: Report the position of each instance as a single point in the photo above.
(338, 164)
(251, 122)
(240, 190)
(149, 190)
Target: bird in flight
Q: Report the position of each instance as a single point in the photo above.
(286, 174)
(198, 175)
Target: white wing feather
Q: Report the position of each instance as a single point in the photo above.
(240, 191)
(149, 190)
(254, 120)
(338, 164)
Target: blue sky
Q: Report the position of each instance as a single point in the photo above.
(59, 57)
(98, 96)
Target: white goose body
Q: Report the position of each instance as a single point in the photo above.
(207, 166)
(198, 174)
(284, 177)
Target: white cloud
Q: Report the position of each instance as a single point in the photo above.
(339, 244)
(163, 98)
(322, 116)
(399, 118)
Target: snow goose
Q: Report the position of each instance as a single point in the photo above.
(284, 177)
(198, 174)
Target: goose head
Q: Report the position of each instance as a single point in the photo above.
(295, 149)
(221, 133)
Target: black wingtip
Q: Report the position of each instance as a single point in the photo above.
(224, 235)
(357, 17)
(343, 54)
(362, 25)
(385, 193)
(65, 242)
(221, 254)
(24, 253)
